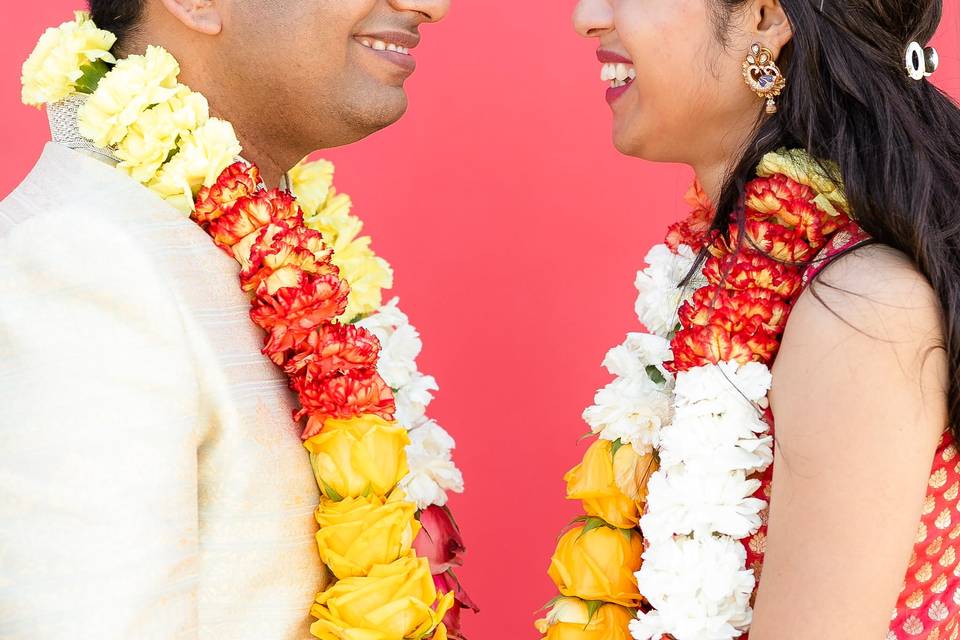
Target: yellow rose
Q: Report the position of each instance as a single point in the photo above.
(367, 273)
(53, 69)
(593, 482)
(797, 164)
(134, 85)
(154, 135)
(358, 456)
(311, 181)
(393, 602)
(571, 619)
(357, 533)
(598, 564)
(202, 156)
(632, 472)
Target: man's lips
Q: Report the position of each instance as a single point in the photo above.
(394, 46)
(605, 56)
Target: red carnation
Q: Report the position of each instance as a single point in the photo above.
(280, 245)
(291, 314)
(340, 395)
(749, 269)
(335, 347)
(237, 181)
(251, 212)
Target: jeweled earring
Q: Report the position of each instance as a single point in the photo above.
(763, 76)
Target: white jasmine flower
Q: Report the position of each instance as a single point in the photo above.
(432, 472)
(632, 410)
(699, 588)
(685, 501)
(657, 285)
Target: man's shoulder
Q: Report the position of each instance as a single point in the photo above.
(65, 180)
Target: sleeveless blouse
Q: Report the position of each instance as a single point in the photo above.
(928, 607)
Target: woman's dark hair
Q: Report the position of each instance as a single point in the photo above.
(895, 140)
(119, 17)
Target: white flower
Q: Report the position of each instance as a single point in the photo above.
(685, 501)
(698, 587)
(632, 410)
(657, 285)
(752, 379)
(432, 471)
(637, 352)
(412, 399)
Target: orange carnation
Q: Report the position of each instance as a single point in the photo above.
(291, 313)
(749, 269)
(335, 347)
(734, 310)
(774, 198)
(280, 252)
(251, 212)
(239, 180)
(340, 395)
(694, 230)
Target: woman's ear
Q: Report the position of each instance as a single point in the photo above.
(772, 26)
(203, 16)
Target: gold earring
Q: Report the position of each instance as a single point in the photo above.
(763, 76)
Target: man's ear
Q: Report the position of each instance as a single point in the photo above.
(772, 25)
(203, 16)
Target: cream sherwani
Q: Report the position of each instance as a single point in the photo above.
(152, 481)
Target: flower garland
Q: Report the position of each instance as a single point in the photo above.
(683, 430)
(382, 467)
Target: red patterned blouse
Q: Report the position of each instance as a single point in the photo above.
(929, 604)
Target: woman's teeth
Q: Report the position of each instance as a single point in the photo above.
(618, 73)
(380, 45)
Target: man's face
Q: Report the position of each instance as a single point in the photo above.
(327, 71)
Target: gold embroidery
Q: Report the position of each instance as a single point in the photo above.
(952, 492)
(922, 532)
(939, 585)
(954, 532)
(935, 546)
(924, 573)
(915, 599)
(949, 452)
(943, 520)
(934, 635)
(758, 543)
(948, 558)
(938, 478)
(929, 504)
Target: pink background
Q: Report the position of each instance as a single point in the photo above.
(515, 230)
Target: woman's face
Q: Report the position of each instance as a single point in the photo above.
(676, 93)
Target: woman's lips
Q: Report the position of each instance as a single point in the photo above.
(614, 93)
(605, 56)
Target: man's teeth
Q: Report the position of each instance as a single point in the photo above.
(380, 45)
(618, 73)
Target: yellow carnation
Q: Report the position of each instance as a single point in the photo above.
(358, 456)
(328, 212)
(132, 86)
(151, 139)
(394, 602)
(311, 182)
(53, 69)
(572, 619)
(357, 533)
(202, 156)
(797, 164)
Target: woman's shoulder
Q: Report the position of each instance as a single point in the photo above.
(873, 285)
